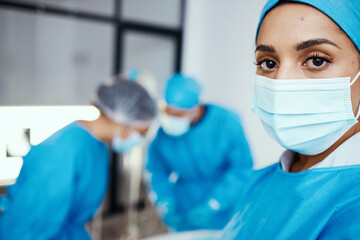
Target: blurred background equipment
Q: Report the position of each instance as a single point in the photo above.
(17, 142)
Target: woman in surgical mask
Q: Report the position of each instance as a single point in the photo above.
(307, 95)
(64, 179)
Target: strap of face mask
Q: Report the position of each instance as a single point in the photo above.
(355, 78)
(358, 113)
(351, 83)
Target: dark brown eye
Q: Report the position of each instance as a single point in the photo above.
(267, 64)
(318, 62)
(270, 64)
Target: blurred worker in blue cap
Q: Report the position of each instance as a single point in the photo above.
(199, 162)
(307, 95)
(64, 179)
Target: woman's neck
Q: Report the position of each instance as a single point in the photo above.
(305, 162)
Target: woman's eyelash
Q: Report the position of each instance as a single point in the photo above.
(316, 55)
(258, 63)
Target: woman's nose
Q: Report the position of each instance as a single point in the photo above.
(289, 70)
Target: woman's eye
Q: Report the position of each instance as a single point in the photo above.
(267, 64)
(316, 62)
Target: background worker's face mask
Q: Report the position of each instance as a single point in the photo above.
(305, 115)
(174, 126)
(120, 145)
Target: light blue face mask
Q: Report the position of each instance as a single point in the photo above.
(305, 115)
(120, 145)
(174, 126)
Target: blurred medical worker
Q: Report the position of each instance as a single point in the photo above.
(64, 179)
(199, 161)
(307, 95)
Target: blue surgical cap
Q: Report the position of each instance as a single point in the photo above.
(345, 13)
(182, 92)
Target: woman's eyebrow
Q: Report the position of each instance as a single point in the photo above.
(314, 42)
(265, 48)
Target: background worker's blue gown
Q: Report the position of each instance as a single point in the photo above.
(60, 186)
(320, 203)
(211, 161)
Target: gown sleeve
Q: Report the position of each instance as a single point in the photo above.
(161, 189)
(234, 180)
(43, 188)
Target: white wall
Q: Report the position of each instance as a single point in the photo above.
(219, 51)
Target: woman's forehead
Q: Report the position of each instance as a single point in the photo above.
(296, 22)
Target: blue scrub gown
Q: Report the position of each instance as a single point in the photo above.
(211, 161)
(60, 186)
(320, 203)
